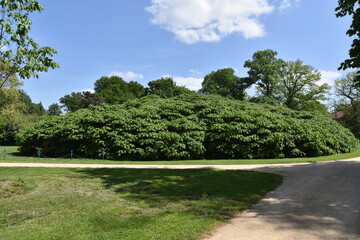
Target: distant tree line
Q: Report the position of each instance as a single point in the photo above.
(291, 84)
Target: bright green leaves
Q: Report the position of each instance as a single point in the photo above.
(225, 83)
(191, 126)
(17, 49)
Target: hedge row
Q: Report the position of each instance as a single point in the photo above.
(188, 127)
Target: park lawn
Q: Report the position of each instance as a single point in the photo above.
(12, 155)
(69, 203)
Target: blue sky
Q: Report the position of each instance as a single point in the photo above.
(143, 40)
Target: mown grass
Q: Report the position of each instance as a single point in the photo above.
(13, 156)
(127, 204)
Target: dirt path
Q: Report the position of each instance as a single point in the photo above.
(315, 201)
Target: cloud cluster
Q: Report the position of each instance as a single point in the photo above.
(127, 75)
(191, 83)
(211, 20)
(329, 77)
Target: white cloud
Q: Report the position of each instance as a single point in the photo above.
(127, 75)
(210, 20)
(286, 4)
(195, 72)
(191, 83)
(329, 77)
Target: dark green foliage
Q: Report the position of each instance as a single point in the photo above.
(225, 83)
(115, 90)
(265, 70)
(192, 126)
(78, 100)
(54, 110)
(29, 106)
(351, 8)
(166, 88)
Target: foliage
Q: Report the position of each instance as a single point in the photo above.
(29, 106)
(78, 100)
(116, 90)
(54, 110)
(349, 102)
(265, 70)
(225, 83)
(299, 85)
(191, 126)
(346, 89)
(18, 51)
(17, 111)
(351, 8)
(165, 87)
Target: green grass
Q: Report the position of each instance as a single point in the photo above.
(13, 156)
(127, 204)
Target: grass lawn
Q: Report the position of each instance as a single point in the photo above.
(13, 156)
(61, 203)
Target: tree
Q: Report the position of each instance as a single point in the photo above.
(29, 106)
(348, 94)
(54, 110)
(136, 89)
(346, 89)
(114, 89)
(19, 53)
(351, 8)
(299, 85)
(78, 100)
(225, 83)
(265, 70)
(165, 87)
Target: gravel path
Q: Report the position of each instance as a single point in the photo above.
(315, 201)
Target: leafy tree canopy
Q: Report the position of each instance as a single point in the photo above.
(116, 90)
(54, 110)
(165, 87)
(78, 100)
(265, 70)
(300, 87)
(225, 83)
(351, 8)
(18, 51)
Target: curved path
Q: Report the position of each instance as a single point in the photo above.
(315, 201)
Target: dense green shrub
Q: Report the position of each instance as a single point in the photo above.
(189, 126)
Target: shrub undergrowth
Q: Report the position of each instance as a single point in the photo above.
(188, 127)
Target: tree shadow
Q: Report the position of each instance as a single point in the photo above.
(202, 192)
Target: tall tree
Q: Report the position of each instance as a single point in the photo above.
(351, 8)
(114, 89)
(348, 93)
(165, 87)
(54, 110)
(224, 82)
(136, 89)
(300, 85)
(78, 100)
(265, 70)
(19, 53)
(29, 106)
(346, 89)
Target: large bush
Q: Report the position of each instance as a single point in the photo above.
(190, 126)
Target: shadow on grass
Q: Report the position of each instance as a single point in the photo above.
(202, 192)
